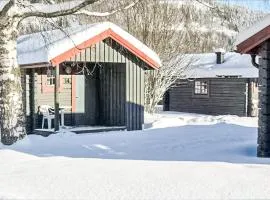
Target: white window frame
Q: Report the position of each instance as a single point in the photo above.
(201, 88)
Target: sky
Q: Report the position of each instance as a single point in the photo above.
(263, 5)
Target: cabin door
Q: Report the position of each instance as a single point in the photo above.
(86, 99)
(79, 99)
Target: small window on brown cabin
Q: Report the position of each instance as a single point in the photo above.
(201, 88)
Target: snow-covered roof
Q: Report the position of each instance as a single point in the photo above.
(252, 30)
(44, 47)
(2, 4)
(235, 64)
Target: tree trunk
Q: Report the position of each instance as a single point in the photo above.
(12, 118)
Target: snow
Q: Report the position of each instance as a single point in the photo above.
(44, 46)
(221, 50)
(252, 30)
(177, 156)
(2, 4)
(195, 26)
(235, 64)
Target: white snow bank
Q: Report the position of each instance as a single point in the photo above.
(235, 64)
(44, 46)
(161, 162)
(171, 119)
(67, 178)
(252, 30)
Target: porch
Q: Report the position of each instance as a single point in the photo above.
(90, 95)
(80, 130)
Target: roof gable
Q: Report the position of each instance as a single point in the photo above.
(250, 39)
(57, 45)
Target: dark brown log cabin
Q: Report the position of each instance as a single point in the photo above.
(99, 81)
(217, 84)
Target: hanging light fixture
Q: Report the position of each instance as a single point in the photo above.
(68, 69)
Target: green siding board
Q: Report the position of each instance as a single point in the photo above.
(87, 54)
(128, 94)
(136, 103)
(92, 53)
(131, 89)
(111, 93)
(138, 96)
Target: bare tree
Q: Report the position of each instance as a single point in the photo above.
(158, 82)
(12, 14)
(155, 23)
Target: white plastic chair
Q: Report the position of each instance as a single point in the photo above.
(47, 114)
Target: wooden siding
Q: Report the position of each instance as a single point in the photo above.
(47, 97)
(135, 96)
(103, 96)
(226, 96)
(109, 51)
(111, 96)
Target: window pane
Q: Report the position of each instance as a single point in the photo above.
(201, 87)
(50, 81)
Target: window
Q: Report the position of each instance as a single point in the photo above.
(51, 78)
(48, 80)
(201, 88)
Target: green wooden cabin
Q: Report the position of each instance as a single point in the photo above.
(95, 72)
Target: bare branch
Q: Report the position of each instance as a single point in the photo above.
(108, 13)
(6, 7)
(50, 1)
(58, 9)
(206, 4)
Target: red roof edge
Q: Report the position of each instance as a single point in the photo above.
(251, 44)
(108, 33)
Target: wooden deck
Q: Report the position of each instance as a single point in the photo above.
(80, 130)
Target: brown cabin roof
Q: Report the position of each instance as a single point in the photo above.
(249, 40)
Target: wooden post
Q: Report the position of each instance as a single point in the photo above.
(32, 99)
(249, 98)
(56, 98)
(264, 108)
(166, 101)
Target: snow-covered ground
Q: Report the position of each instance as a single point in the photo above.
(178, 155)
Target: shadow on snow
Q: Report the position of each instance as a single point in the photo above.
(217, 143)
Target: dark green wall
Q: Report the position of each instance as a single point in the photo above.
(108, 51)
(100, 96)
